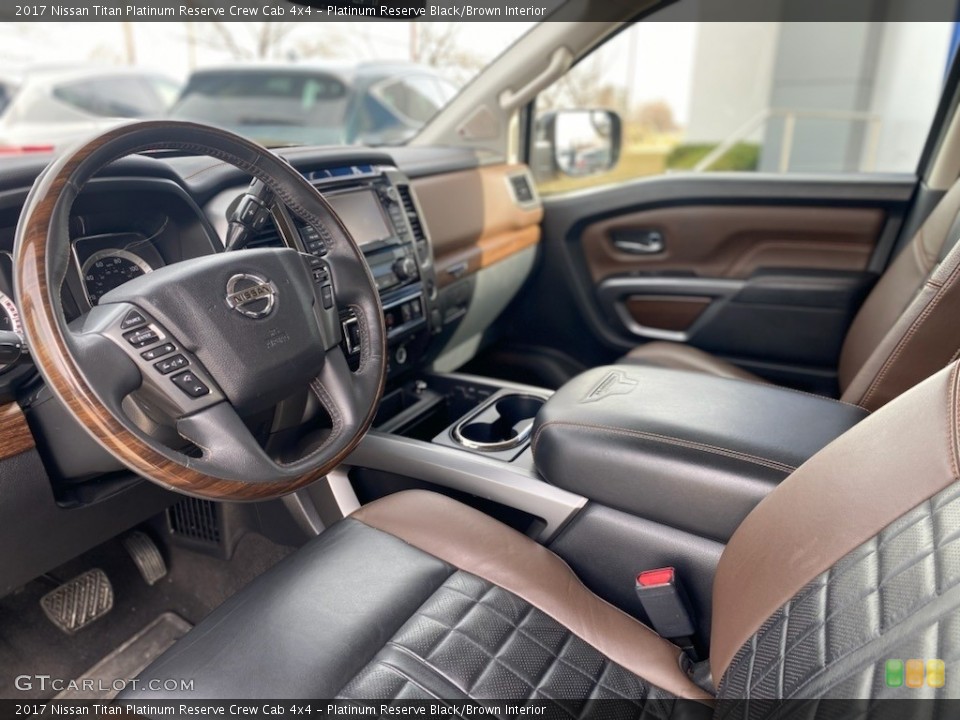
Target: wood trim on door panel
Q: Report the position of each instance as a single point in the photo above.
(15, 432)
(474, 220)
(735, 241)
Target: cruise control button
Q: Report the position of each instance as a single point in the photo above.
(160, 351)
(326, 295)
(132, 320)
(141, 338)
(190, 384)
(168, 365)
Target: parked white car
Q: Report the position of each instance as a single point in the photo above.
(45, 108)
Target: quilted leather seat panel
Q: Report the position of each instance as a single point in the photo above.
(472, 639)
(897, 596)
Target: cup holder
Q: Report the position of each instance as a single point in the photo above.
(503, 423)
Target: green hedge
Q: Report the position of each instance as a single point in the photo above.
(740, 157)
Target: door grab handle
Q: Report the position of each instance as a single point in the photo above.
(646, 242)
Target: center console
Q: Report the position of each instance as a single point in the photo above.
(381, 212)
(624, 468)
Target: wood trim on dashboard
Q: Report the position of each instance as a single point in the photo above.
(14, 431)
(474, 220)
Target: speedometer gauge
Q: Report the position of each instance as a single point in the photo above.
(9, 319)
(109, 269)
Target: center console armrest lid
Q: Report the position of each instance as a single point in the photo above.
(693, 450)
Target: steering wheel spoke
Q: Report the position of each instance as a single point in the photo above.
(228, 445)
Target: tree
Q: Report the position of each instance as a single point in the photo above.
(262, 40)
(583, 87)
(439, 45)
(656, 117)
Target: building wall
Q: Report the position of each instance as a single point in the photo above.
(891, 70)
(733, 70)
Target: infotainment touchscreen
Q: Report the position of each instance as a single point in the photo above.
(361, 212)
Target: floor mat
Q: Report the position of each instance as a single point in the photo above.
(99, 682)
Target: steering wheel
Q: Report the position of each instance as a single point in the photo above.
(243, 331)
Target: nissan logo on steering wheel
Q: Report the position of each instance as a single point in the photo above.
(251, 295)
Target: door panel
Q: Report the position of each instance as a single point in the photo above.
(723, 241)
(764, 271)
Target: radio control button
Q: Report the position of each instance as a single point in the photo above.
(168, 365)
(405, 268)
(159, 351)
(133, 319)
(141, 338)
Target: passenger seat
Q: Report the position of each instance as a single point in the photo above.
(908, 328)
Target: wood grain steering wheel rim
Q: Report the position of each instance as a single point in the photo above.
(41, 261)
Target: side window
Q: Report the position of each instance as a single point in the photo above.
(786, 97)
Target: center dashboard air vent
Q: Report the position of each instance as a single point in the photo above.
(416, 224)
(406, 197)
(268, 236)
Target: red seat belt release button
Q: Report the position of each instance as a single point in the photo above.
(665, 603)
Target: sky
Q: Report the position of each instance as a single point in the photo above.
(663, 53)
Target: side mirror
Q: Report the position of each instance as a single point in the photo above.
(577, 143)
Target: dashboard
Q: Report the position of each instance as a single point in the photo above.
(429, 224)
(449, 240)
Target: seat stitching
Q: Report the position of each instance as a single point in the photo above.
(423, 662)
(858, 599)
(532, 638)
(877, 547)
(912, 330)
(691, 444)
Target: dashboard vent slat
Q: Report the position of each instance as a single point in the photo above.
(268, 236)
(406, 197)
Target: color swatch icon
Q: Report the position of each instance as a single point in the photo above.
(912, 673)
(894, 673)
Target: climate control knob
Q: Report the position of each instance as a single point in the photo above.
(405, 268)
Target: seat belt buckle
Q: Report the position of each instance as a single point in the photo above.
(666, 605)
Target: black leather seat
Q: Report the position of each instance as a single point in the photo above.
(854, 559)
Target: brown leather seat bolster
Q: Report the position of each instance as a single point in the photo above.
(684, 357)
(885, 466)
(478, 544)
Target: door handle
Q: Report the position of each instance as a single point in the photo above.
(639, 242)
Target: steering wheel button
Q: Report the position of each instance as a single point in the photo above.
(132, 320)
(160, 351)
(326, 295)
(142, 338)
(190, 384)
(168, 365)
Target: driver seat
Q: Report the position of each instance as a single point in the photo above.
(853, 560)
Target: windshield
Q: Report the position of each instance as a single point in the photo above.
(278, 83)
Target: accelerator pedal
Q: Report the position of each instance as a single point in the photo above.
(146, 555)
(79, 602)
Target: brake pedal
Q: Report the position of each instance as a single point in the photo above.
(79, 602)
(146, 555)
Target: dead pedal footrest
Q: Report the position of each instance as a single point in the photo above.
(79, 602)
